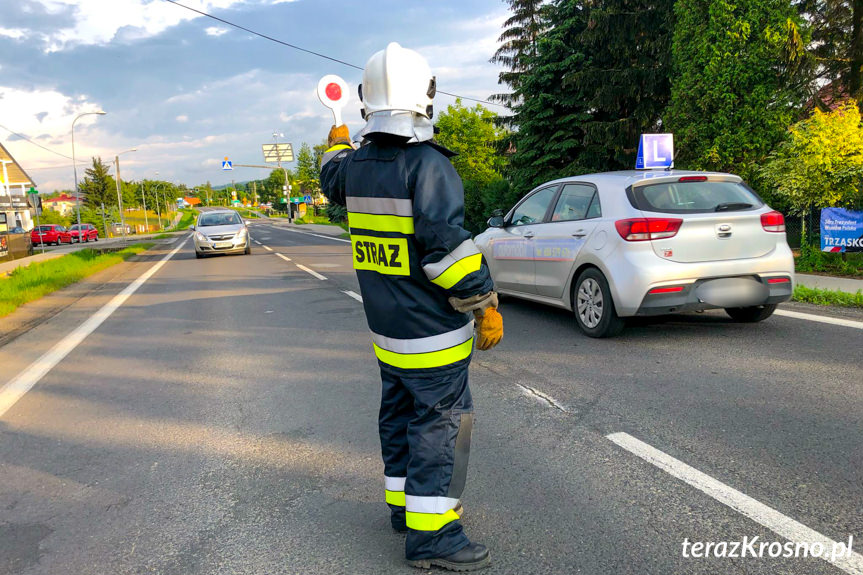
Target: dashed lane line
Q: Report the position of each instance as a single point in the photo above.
(286, 258)
(310, 271)
(820, 318)
(30, 376)
(268, 248)
(354, 295)
(850, 562)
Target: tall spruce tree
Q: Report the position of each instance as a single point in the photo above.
(600, 77)
(518, 45)
(837, 47)
(99, 186)
(733, 86)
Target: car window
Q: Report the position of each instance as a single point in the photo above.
(695, 197)
(220, 219)
(532, 210)
(577, 202)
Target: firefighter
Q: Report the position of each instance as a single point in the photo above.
(426, 289)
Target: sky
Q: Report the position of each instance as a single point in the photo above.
(185, 90)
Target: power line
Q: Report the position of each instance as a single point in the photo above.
(312, 52)
(25, 138)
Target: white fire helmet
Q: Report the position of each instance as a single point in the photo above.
(397, 80)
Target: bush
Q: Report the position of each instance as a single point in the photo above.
(812, 259)
(337, 214)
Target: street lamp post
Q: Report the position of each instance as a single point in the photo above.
(146, 219)
(119, 196)
(75, 165)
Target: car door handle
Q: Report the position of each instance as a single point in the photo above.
(528, 234)
(579, 233)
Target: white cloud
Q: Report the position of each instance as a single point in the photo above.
(99, 21)
(182, 118)
(216, 31)
(14, 33)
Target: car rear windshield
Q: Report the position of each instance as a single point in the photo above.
(694, 197)
(220, 219)
(44, 228)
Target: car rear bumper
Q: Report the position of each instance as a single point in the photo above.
(634, 273)
(692, 297)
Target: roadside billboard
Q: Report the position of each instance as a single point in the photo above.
(841, 230)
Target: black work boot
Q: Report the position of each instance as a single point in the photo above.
(474, 556)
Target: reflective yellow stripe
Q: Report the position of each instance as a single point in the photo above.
(339, 147)
(429, 521)
(425, 360)
(456, 272)
(379, 223)
(383, 255)
(396, 498)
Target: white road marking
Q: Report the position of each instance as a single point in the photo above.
(313, 272)
(286, 258)
(256, 241)
(30, 376)
(316, 235)
(268, 248)
(354, 295)
(820, 318)
(740, 502)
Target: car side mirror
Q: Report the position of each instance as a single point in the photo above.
(496, 222)
(192, 228)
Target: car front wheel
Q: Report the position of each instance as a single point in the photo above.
(593, 306)
(751, 314)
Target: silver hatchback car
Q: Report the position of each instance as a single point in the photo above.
(221, 232)
(635, 243)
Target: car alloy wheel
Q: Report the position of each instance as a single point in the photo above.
(590, 303)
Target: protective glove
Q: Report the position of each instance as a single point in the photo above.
(489, 328)
(339, 135)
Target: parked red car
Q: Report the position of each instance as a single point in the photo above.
(50, 234)
(88, 233)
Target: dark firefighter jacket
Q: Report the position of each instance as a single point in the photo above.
(405, 206)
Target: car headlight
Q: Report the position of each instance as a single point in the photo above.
(200, 237)
(241, 235)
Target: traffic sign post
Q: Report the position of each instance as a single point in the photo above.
(34, 201)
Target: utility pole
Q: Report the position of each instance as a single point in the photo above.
(146, 220)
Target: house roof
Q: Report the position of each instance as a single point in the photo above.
(192, 201)
(60, 198)
(17, 175)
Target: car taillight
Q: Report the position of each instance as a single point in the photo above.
(643, 229)
(773, 222)
(669, 289)
(693, 179)
(779, 280)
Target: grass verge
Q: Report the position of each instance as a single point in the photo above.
(828, 297)
(39, 279)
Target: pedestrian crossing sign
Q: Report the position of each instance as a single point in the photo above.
(227, 165)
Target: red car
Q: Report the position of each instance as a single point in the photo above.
(50, 234)
(89, 232)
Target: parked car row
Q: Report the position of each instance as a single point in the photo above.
(55, 234)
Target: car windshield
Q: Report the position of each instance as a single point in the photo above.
(219, 219)
(75, 227)
(44, 228)
(695, 197)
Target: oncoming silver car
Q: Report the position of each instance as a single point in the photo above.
(632, 243)
(221, 232)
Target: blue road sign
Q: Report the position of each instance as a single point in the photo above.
(227, 165)
(307, 199)
(655, 151)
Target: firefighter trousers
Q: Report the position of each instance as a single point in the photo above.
(425, 425)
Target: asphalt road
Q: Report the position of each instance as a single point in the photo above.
(223, 420)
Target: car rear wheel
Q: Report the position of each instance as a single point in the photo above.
(751, 314)
(593, 306)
